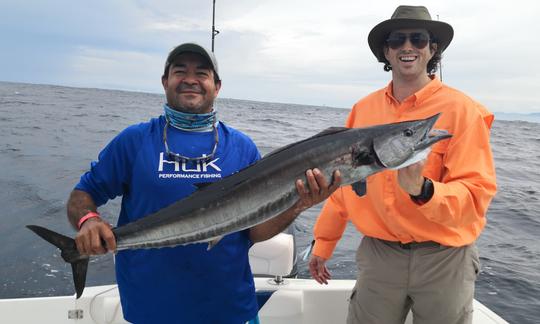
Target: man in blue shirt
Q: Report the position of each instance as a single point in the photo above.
(153, 164)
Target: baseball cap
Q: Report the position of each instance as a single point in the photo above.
(192, 48)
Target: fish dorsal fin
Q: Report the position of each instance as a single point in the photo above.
(328, 131)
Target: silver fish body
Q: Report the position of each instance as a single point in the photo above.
(267, 188)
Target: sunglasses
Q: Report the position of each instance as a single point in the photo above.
(418, 40)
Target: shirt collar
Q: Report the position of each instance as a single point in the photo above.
(423, 94)
(418, 97)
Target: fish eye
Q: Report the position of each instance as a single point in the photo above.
(408, 132)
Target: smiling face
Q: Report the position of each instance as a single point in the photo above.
(408, 61)
(189, 85)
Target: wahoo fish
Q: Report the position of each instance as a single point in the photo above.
(266, 188)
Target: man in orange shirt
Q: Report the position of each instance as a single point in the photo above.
(420, 223)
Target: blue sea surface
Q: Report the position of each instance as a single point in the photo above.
(49, 135)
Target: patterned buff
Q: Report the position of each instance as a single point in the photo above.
(190, 122)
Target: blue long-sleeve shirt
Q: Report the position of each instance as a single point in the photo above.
(183, 284)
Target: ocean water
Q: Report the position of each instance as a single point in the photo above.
(49, 135)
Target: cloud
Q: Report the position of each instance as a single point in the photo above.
(114, 69)
(299, 51)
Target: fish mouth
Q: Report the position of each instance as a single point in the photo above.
(431, 135)
(401, 151)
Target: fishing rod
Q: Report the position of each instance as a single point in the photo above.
(214, 30)
(440, 61)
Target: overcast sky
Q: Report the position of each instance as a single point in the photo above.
(294, 51)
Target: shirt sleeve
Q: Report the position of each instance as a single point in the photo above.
(255, 155)
(110, 175)
(468, 183)
(330, 225)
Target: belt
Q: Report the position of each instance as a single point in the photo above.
(413, 245)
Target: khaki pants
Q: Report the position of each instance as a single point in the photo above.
(436, 283)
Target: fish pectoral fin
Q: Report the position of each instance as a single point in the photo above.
(214, 242)
(360, 187)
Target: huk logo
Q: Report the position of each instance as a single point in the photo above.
(201, 169)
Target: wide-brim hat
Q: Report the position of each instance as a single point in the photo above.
(193, 48)
(409, 17)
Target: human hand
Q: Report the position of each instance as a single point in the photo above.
(411, 179)
(318, 269)
(95, 237)
(318, 191)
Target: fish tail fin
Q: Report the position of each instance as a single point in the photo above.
(70, 254)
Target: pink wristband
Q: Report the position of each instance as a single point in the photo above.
(87, 217)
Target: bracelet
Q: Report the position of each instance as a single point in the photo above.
(87, 217)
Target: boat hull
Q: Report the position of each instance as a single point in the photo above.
(296, 301)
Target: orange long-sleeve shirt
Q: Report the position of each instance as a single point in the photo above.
(461, 168)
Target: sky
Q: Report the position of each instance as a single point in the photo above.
(311, 52)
